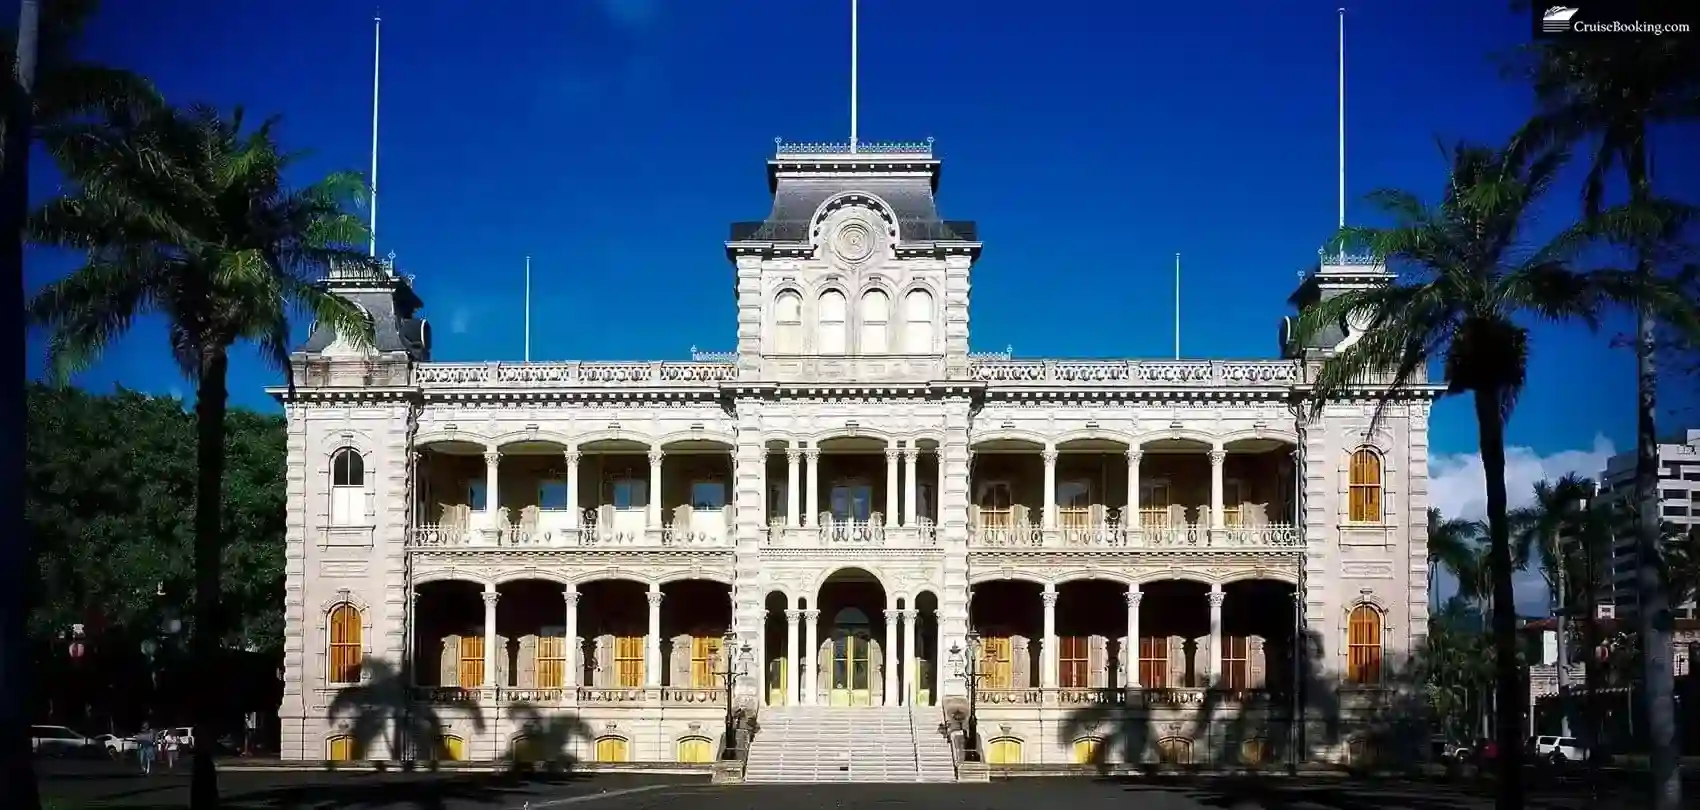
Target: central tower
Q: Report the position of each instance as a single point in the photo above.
(853, 275)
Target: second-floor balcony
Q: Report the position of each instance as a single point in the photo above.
(1244, 527)
(602, 527)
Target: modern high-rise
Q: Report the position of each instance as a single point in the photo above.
(1679, 506)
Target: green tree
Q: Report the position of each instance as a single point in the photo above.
(1538, 536)
(1468, 281)
(1611, 92)
(1452, 544)
(185, 213)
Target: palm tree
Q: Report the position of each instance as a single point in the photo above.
(1538, 534)
(184, 214)
(1468, 281)
(1451, 547)
(1613, 91)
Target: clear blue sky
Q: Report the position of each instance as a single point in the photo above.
(613, 140)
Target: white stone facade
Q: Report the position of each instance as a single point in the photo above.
(832, 492)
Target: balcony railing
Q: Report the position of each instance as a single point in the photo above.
(1107, 536)
(1133, 697)
(834, 533)
(570, 373)
(583, 696)
(1202, 373)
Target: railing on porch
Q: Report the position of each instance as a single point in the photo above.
(1132, 697)
(830, 532)
(583, 696)
(597, 528)
(1098, 528)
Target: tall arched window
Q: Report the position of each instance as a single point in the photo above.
(918, 322)
(344, 652)
(348, 488)
(1363, 645)
(788, 323)
(876, 323)
(832, 310)
(1365, 487)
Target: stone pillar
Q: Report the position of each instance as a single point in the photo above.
(793, 487)
(1049, 661)
(911, 506)
(1050, 516)
(892, 510)
(569, 680)
(1216, 597)
(812, 456)
(652, 642)
(938, 489)
(1218, 457)
(793, 666)
(492, 463)
(653, 519)
(491, 595)
(574, 518)
(811, 648)
(907, 624)
(888, 673)
(1134, 596)
(1130, 520)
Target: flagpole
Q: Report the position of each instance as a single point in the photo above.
(854, 23)
(372, 213)
(528, 309)
(1342, 122)
(1177, 306)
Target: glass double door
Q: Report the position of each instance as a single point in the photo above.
(851, 673)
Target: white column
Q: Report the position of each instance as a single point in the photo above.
(1216, 597)
(1218, 457)
(492, 499)
(654, 517)
(1134, 596)
(910, 506)
(793, 487)
(1049, 661)
(938, 497)
(652, 642)
(793, 666)
(1131, 519)
(888, 673)
(574, 519)
(812, 493)
(490, 598)
(1050, 516)
(573, 648)
(908, 624)
(892, 510)
(811, 646)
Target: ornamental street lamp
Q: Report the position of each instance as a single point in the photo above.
(966, 664)
(76, 648)
(738, 658)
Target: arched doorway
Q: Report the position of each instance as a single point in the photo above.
(852, 637)
(853, 657)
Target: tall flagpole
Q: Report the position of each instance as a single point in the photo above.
(372, 213)
(528, 309)
(1342, 134)
(1177, 306)
(855, 21)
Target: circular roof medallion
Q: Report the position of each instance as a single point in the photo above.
(854, 241)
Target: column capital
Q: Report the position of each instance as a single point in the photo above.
(1218, 456)
(892, 614)
(891, 454)
(793, 455)
(812, 454)
(492, 458)
(791, 616)
(1049, 598)
(654, 598)
(1216, 598)
(571, 455)
(570, 597)
(1049, 454)
(491, 597)
(1134, 598)
(811, 615)
(413, 456)
(1134, 454)
(911, 453)
(656, 454)
(911, 614)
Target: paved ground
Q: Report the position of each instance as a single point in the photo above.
(320, 790)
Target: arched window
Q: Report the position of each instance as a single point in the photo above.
(1086, 750)
(451, 748)
(696, 750)
(344, 652)
(339, 749)
(1363, 646)
(348, 488)
(918, 322)
(876, 323)
(611, 749)
(831, 315)
(1174, 751)
(1005, 751)
(788, 323)
(1365, 487)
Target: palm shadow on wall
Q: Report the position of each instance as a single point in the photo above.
(1261, 734)
(383, 708)
(544, 742)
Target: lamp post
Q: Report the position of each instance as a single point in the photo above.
(966, 664)
(738, 659)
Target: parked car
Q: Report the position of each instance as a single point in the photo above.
(1560, 749)
(58, 741)
(1445, 750)
(116, 745)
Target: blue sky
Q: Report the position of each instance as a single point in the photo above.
(613, 140)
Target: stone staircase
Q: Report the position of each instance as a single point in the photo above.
(840, 744)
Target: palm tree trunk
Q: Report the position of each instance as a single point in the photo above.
(1508, 706)
(208, 706)
(17, 777)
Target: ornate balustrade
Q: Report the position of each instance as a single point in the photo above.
(583, 696)
(853, 534)
(570, 373)
(1111, 536)
(1203, 373)
(1131, 697)
(588, 535)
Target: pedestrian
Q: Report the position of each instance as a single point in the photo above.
(145, 748)
(168, 745)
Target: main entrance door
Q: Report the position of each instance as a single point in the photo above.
(850, 644)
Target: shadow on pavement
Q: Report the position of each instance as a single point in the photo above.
(367, 790)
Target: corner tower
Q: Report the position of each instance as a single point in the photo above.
(399, 332)
(853, 275)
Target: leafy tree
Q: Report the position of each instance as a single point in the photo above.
(1467, 282)
(1611, 92)
(1452, 544)
(185, 213)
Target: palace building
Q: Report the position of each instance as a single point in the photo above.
(849, 512)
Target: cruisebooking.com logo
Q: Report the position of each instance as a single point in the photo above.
(1614, 18)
